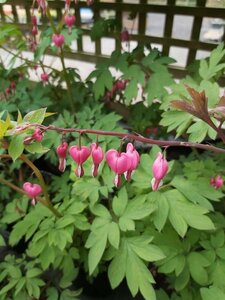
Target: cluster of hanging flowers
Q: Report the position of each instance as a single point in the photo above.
(123, 164)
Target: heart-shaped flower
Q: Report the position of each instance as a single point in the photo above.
(79, 155)
(119, 163)
(97, 157)
(134, 158)
(32, 190)
(58, 39)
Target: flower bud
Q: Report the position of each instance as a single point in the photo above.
(134, 160)
(34, 20)
(97, 157)
(62, 152)
(34, 30)
(216, 182)
(44, 77)
(159, 171)
(125, 37)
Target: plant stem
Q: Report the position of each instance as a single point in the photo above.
(38, 174)
(25, 59)
(11, 185)
(62, 58)
(16, 188)
(129, 136)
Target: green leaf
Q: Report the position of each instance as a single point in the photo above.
(33, 273)
(127, 263)
(52, 293)
(162, 212)
(117, 267)
(16, 146)
(114, 235)
(8, 286)
(45, 42)
(97, 250)
(212, 293)
(130, 91)
(119, 203)
(176, 120)
(197, 264)
(35, 116)
(183, 213)
(103, 82)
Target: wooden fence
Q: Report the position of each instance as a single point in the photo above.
(142, 10)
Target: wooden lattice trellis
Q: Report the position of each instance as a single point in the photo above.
(169, 9)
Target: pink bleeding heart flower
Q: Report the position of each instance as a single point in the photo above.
(216, 182)
(61, 152)
(58, 40)
(97, 157)
(119, 163)
(42, 5)
(44, 77)
(34, 20)
(34, 30)
(70, 21)
(13, 85)
(125, 37)
(79, 155)
(37, 135)
(67, 4)
(32, 190)
(134, 158)
(159, 171)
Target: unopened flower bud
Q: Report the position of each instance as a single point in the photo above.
(44, 77)
(62, 152)
(97, 157)
(125, 37)
(34, 20)
(216, 182)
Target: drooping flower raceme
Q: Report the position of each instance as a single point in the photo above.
(134, 159)
(159, 171)
(58, 40)
(79, 155)
(97, 157)
(61, 152)
(119, 163)
(216, 182)
(32, 190)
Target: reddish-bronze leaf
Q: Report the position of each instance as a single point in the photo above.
(183, 105)
(221, 101)
(200, 103)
